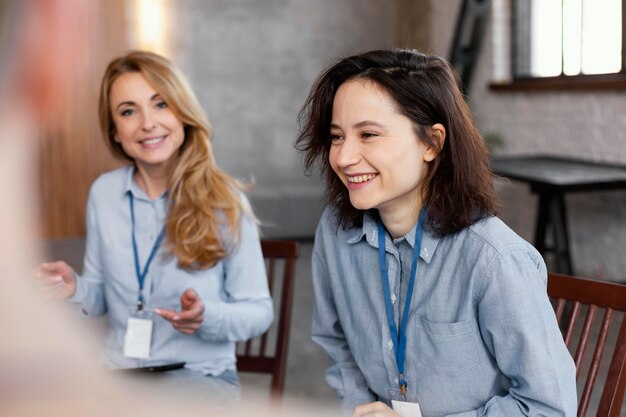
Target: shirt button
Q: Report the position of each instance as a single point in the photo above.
(425, 252)
(390, 344)
(393, 298)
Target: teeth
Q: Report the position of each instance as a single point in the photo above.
(361, 178)
(152, 141)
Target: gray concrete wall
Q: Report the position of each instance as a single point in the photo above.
(252, 63)
(583, 125)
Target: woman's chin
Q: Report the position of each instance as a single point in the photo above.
(361, 205)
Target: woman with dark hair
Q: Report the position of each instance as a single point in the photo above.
(423, 298)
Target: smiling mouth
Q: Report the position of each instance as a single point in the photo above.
(152, 141)
(357, 179)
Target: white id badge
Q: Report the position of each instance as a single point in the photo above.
(404, 405)
(406, 409)
(138, 338)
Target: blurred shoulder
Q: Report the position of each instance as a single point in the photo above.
(111, 183)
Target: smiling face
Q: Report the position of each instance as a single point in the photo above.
(376, 152)
(145, 126)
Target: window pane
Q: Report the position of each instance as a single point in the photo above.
(601, 36)
(545, 59)
(572, 36)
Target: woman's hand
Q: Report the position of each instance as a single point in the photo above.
(189, 318)
(57, 278)
(375, 409)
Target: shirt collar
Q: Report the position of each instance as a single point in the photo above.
(132, 187)
(369, 230)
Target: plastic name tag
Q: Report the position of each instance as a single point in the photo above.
(405, 409)
(405, 405)
(138, 338)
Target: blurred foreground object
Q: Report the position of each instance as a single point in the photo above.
(47, 364)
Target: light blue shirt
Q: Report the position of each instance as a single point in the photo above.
(234, 291)
(482, 337)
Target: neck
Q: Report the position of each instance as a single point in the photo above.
(400, 220)
(152, 180)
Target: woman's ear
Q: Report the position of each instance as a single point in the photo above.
(438, 133)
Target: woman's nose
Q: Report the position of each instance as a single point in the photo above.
(148, 121)
(349, 153)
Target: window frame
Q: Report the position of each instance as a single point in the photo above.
(578, 82)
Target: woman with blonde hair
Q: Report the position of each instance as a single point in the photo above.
(172, 249)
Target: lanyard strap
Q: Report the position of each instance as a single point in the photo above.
(399, 338)
(141, 276)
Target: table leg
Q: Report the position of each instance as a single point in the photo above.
(541, 222)
(561, 238)
(551, 212)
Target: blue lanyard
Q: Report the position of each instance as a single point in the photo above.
(399, 343)
(141, 276)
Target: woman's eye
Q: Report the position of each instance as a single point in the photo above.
(161, 105)
(369, 134)
(334, 137)
(126, 112)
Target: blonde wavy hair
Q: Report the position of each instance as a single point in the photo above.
(202, 197)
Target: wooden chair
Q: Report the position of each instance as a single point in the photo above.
(571, 297)
(254, 355)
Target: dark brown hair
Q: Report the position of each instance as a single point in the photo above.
(457, 188)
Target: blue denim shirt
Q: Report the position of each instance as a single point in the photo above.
(482, 338)
(234, 291)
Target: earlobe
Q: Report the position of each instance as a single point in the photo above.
(439, 134)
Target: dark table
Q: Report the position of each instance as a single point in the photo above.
(550, 178)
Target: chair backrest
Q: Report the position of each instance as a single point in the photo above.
(573, 298)
(254, 355)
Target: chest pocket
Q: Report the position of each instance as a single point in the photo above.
(445, 349)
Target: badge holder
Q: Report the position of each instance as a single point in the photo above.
(140, 321)
(404, 404)
(138, 336)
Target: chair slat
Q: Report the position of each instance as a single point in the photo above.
(262, 345)
(584, 338)
(596, 296)
(613, 394)
(572, 322)
(595, 363)
(248, 349)
(560, 307)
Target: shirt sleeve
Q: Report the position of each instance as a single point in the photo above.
(89, 295)
(344, 375)
(519, 328)
(247, 310)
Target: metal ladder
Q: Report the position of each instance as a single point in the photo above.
(467, 40)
